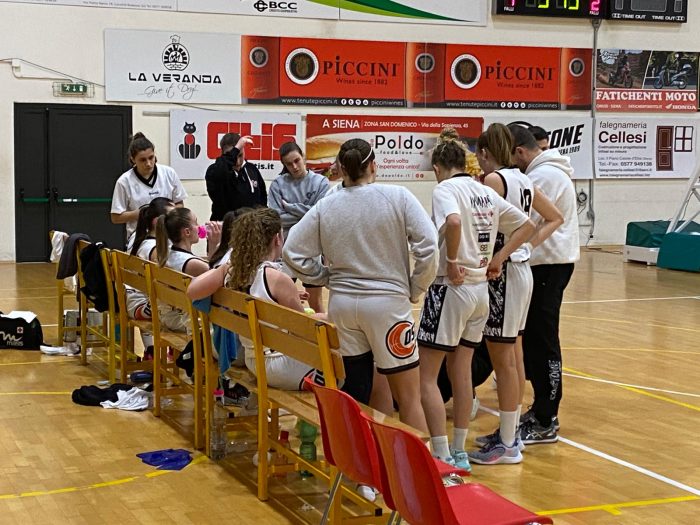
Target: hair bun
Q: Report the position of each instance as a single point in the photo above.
(138, 135)
(448, 134)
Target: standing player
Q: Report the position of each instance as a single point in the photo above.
(468, 216)
(509, 294)
(368, 234)
(552, 265)
(292, 195)
(142, 183)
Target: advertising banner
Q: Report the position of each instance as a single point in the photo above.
(571, 135)
(327, 9)
(402, 145)
(497, 77)
(646, 148)
(456, 12)
(631, 80)
(161, 5)
(195, 136)
(164, 66)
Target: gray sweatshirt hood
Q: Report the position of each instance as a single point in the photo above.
(552, 157)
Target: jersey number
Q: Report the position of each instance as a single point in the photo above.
(526, 200)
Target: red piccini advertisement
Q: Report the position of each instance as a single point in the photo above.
(497, 77)
(402, 145)
(632, 80)
(342, 72)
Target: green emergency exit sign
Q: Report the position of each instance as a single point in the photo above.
(73, 89)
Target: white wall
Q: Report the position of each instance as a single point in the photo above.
(70, 40)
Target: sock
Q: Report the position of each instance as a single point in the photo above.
(440, 446)
(459, 438)
(519, 412)
(508, 424)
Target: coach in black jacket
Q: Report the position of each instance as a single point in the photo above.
(233, 183)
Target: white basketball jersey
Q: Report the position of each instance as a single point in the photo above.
(519, 191)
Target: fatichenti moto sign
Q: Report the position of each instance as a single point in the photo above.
(461, 12)
(164, 66)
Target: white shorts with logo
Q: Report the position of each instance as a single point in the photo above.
(509, 297)
(453, 315)
(381, 324)
(137, 305)
(282, 371)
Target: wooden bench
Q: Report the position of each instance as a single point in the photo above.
(306, 339)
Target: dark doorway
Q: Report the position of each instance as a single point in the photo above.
(67, 159)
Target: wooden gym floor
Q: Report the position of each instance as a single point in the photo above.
(630, 419)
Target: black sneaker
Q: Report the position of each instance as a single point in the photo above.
(532, 433)
(530, 414)
(237, 394)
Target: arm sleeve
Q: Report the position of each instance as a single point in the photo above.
(302, 250)
(263, 190)
(179, 193)
(510, 218)
(120, 198)
(423, 243)
(274, 201)
(213, 183)
(444, 204)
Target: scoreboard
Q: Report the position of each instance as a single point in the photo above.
(641, 10)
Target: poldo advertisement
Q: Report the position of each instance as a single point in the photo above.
(195, 137)
(402, 145)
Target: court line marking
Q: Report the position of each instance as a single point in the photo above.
(617, 383)
(62, 362)
(614, 508)
(637, 390)
(617, 321)
(618, 461)
(633, 300)
(615, 349)
(102, 484)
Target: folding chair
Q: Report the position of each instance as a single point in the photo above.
(349, 445)
(62, 292)
(420, 496)
(168, 287)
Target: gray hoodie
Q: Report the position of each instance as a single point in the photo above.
(551, 173)
(367, 235)
(299, 196)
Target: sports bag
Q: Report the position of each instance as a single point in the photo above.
(18, 334)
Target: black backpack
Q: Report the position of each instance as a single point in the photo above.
(95, 288)
(18, 334)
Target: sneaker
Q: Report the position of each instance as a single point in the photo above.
(496, 453)
(367, 492)
(461, 460)
(475, 408)
(452, 480)
(530, 414)
(532, 433)
(495, 437)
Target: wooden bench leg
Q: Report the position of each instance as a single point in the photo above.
(263, 447)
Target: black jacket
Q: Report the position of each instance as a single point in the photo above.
(230, 190)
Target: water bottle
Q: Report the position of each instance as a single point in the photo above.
(217, 433)
(307, 449)
(281, 459)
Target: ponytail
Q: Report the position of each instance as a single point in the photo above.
(169, 228)
(252, 234)
(147, 214)
(355, 156)
(498, 140)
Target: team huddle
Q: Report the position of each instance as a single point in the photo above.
(490, 265)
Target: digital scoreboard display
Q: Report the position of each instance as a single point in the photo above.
(553, 8)
(650, 10)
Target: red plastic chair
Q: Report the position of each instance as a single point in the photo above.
(422, 499)
(349, 445)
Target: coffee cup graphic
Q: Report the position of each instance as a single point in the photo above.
(301, 66)
(465, 71)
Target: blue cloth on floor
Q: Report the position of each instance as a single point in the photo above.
(167, 459)
(225, 341)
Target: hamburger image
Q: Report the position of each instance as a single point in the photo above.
(321, 152)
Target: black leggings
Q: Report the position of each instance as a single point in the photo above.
(359, 376)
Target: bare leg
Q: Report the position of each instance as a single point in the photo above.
(405, 387)
(520, 367)
(459, 368)
(503, 360)
(431, 399)
(316, 299)
(381, 398)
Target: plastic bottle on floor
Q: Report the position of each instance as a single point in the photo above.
(307, 449)
(217, 432)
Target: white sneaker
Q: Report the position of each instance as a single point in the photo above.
(367, 492)
(475, 408)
